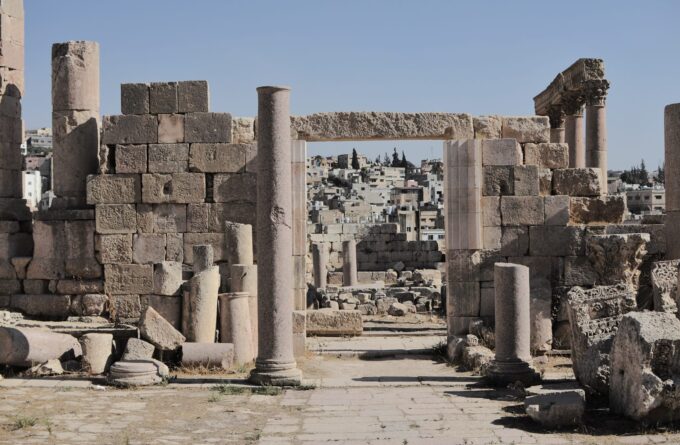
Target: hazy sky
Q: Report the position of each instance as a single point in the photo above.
(480, 57)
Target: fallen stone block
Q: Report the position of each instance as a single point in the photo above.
(97, 352)
(617, 258)
(397, 310)
(665, 285)
(49, 368)
(576, 181)
(644, 357)
(158, 331)
(600, 210)
(137, 349)
(167, 278)
(556, 408)
(208, 355)
(476, 358)
(25, 347)
(328, 322)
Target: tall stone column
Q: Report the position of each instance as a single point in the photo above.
(320, 262)
(275, 364)
(512, 362)
(12, 206)
(672, 160)
(299, 186)
(556, 116)
(350, 276)
(244, 279)
(75, 119)
(573, 131)
(596, 128)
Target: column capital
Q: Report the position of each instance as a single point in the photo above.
(595, 92)
(572, 104)
(556, 115)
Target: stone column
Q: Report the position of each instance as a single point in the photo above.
(350, 276)
(244, 279)
(275, 364)
(556, 116)
(239, 241)
(12, 206)
(199, 306)
(235, 325)
(320, 260)
(672, 166)
(573, 131)
(299, 186)
(512, 362)
(596, 128)
(75, 120)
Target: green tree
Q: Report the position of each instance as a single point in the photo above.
(643, 174)
(661, 173)
(404, 162)
(395, 158)
(355, 159)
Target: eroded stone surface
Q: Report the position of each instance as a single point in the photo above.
(665, 285)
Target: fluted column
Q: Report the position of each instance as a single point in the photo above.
(573, 131)
(556, 116)
(596, 128)
(275, 364)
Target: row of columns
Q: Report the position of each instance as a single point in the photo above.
(589, 148)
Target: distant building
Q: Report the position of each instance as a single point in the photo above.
(32, 191)
(39, 140)
(647, 200)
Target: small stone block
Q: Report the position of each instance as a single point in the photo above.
(193, 96)
(134, 98)
(130, 159)
(163, 98)
(207, 127)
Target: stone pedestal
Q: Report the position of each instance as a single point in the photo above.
(235, 325)
(275, 364)
(244, 279)
(672, 158)
(320, 262)
(573, 132)
(97, 352)
(199, 306)
(75, 119)
(513, 326)
(350, 276)
(596, 128)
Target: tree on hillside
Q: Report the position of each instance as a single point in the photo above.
(637, 174)
(386, 160)
(644, 175)
(355, 159)
(404, 162)
(395, 158)
(661, 173)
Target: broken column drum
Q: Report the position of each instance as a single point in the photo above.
(75, 118)
(320, 263)
(244, 279)
(512, 312)
(235, 325)
(199, 308)
(239, 241)
(275, 362)
(349, 264)
(672, 159)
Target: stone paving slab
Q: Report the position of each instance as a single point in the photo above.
(374, 346)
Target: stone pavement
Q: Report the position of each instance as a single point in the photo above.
(403, 399)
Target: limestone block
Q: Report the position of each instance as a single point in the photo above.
(208, 355)
(75, 76)
(491, 211)
(193, 96)
(576, 181)
(25, 347)
(174, 249)
(131, 158)
(487, 127)
(11, 154)
(556, 408)
(124, 279)
(498, 180)
(328, 322)
(207, 127)
(116, 218)
(216, 240)
(89, 305)
(463, 299)
(170, 128)
(134, 98)
(617, 258)
(80, 287)
(46, 305)
(156, 330)
(231, 187)
(179, 188)
(657, 244)
(169, 307)
(148, 248)
(75, 138)
(356, 126)
(492, 237)
(217, 158)
(556, 241)
(547, 155)
(600, 210)
(163, 98)
(113, 189)
(168, 158)
(527, 129)
(20, 265)
(664, 277)
(114, 248)
(10, 183)
(97, 356)
(167, 278)
(197, 217)
(522, 210)
(169, 218)
(501, 152)
(557, 210)
(137, 349)
(541, 326)
(594, 316)
(130, 129)
(243, 130)
(12, 26)
(514, 241)
(239, 212)
(526, 180)
(125, 307)
(14, 209)
(579, 271)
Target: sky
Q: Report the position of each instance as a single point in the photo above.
(478, 57)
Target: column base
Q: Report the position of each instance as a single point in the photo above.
(505, 373)
(276, 374)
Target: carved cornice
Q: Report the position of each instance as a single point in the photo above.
(595, 92)
(570, 81)
(572, 104)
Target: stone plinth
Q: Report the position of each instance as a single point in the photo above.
(513, 327)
